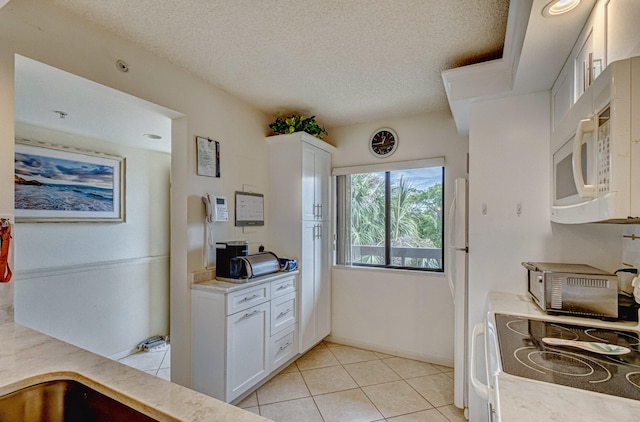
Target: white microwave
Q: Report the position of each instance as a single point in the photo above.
(595, 151)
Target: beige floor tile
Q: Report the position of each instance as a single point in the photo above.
(372, 372)
(396, 398)
(328, 380)
(283, 387)
(164, 373)
(318, 357)
(331, 345)
(408, 368)
(254, 409)
(347, 354)
(437, 389)
(383, 355)
(145, 361)
(249, 401)
(291, 368)
(443, 369)
(431, 415)
(166, 362)
(350, 405)
(453, 413)
(292, 411)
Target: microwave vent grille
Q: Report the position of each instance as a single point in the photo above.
(556, 292)
(599, 283)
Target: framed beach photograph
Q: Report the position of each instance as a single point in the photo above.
(60, 184)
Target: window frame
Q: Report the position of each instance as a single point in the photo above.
(387, 168)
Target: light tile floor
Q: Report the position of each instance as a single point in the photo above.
(336, 383)
(155, 363)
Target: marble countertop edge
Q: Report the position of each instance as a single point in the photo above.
(28, 357)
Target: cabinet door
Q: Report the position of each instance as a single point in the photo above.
(307, 321)
(322, 188)
(309, 204)
(561, 95)
(315, 285)
(316, 183)
(247, 348)
(323, 281)
(622, 17)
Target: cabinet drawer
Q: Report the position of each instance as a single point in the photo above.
(246, 298)
(284, 286)
(284, 346)
(283, 312)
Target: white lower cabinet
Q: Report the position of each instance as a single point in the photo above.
(248, 348)
(242, 334)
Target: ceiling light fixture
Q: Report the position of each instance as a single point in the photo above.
(559, 7)
(152, 136)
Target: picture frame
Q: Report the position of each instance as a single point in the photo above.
(54, 183)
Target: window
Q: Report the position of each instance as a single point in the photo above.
(391, 216)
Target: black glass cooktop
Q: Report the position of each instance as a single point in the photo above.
(530, 348)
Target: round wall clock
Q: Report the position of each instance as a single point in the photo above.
(383, 142)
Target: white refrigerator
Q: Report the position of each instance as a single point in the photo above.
(456, 270)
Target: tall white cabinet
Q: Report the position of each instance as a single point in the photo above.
(300, 215)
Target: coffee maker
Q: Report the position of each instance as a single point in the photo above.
(225, 252)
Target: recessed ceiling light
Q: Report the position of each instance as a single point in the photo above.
(152, 136)
(558, 7)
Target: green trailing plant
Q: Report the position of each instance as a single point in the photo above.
(297, 123)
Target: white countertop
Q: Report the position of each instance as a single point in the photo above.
(525, 400)
(228, 287)
(29, 357)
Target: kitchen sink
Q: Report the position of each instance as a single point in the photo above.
(65, 401)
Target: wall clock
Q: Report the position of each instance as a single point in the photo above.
(383, 142)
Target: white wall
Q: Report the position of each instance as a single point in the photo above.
(401, 312)
(41, 32)
(509, 148)
(62, 268)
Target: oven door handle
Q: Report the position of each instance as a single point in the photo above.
(585, 126)
(481, 389)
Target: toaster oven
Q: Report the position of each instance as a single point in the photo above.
(576, 289)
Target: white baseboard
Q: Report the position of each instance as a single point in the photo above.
(390, 351)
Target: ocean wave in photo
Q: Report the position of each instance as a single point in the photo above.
(63, 198)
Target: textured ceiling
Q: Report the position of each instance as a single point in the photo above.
(346, 61)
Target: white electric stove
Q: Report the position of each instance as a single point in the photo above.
(530, 377)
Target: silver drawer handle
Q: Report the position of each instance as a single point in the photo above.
(249, 298)
(284, 287)
(284, 313)
(285, 346)
(248, 314)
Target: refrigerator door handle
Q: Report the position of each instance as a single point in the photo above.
(451, 248)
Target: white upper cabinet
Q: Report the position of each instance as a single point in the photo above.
(316, 168)
(611, 33)
(622, 20)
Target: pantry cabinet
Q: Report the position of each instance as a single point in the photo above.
(242, 333)
(300, 214)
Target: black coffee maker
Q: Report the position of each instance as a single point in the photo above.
(225, 252)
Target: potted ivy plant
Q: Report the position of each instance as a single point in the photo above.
(297, 123)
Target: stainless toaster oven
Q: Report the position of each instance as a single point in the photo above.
(576, 289)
